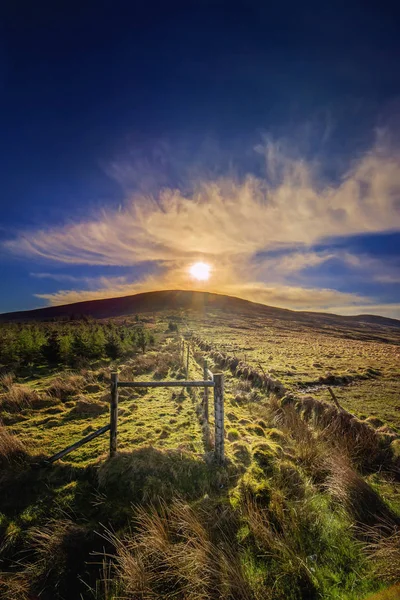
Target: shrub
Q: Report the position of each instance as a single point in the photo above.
(172, 326)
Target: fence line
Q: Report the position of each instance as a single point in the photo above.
(210, 380)
(205, 396)
(177, 383)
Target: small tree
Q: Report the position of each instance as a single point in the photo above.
(51, 350)
(114, 347)
(172, 326)
(142, 339)
(65, 341)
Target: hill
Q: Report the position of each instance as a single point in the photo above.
(311, 440)
(198, 302)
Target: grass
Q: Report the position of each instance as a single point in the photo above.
(306, 505)
(300, 357)
(383, 551)
(12, 450)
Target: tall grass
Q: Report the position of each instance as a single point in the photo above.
(176, 554)
(12, 450)
(17, 397)
(383, 551)
(359, 498)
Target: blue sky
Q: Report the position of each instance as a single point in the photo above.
(140, 137)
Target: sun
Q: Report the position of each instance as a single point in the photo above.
(200, 271)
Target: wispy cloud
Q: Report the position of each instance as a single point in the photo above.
(255, 231)
(227, 216)
(61, 277)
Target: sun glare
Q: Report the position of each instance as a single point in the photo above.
(200, 271)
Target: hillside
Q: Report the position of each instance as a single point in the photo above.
(294, 513)
(198, 302)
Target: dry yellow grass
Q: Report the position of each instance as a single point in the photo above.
(174, 556)
(17, 397)
(383, 551)
(11, 448)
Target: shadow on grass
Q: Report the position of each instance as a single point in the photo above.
(148, 475)
(55, 512)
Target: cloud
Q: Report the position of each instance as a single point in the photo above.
(258, 233)
(287, 208)
(57, 277)
(91, 282)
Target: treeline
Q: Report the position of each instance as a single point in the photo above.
(69, 343)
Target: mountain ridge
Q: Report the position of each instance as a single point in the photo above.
(190, 300)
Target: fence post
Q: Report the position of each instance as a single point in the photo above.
(113, 413)
(187, 361)
(205, 399)
(219, 416)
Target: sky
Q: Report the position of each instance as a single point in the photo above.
(138, 138)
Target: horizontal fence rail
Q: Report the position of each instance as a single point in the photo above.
(154, 384)
(210, 380)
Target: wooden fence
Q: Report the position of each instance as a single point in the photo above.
(210, 380)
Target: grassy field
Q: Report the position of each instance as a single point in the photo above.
(302, 358)
(307, 504)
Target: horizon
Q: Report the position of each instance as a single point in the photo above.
(191, 291)
(250, 152)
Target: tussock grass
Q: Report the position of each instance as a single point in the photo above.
(367, 448)
(14, 586)
(232, 434)
(142, 363)
(12, 450)
(308, 448)
(17, 397)
(65, 385)
(85, 407)
(383, 551)
(352, 491)
(283, 519)
(280, 542)
(177, 554)
(61, 547)
(6, 381)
